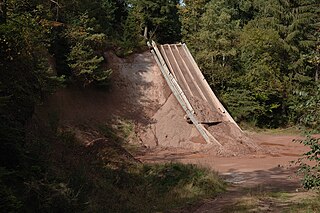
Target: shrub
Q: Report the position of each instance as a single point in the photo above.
(310, 163)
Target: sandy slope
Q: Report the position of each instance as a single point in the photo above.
(139, 93)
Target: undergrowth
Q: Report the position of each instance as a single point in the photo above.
(305, 205)
(289, 130)
(309, 164)
(69, 176)
(152, 188)
(261, 200)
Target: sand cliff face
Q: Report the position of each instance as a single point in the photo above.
(162, 120)
(139, 92)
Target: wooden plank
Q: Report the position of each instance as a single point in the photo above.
(180, 95)
(172, 79)
(215, 100)
(167, 60)
(180, 73)
(180, 100)
(190, 75)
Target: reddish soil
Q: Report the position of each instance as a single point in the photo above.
(276, 154)
(268, 170)
(139, 93)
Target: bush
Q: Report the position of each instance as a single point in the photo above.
(175, 184)
(310, 163)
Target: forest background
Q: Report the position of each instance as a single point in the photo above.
(260, 57)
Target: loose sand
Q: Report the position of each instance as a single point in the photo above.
(138, 92)
(163, 121)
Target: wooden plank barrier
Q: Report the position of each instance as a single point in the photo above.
(179, 94)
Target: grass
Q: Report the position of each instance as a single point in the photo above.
(173, 185)
(290, 130)
(277, 131)
(282, 131)
(258, 200)
(125, 185)
(306, 205)
(118, 130)
(104, 177)
(245, 205)
(147, 188)
(157, 187)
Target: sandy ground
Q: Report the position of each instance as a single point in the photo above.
(276, 155)
(266, 171)
(138, 92)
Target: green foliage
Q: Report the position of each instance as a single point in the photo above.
(85, 58)
(26, 78)
(243, 104)
(266, 48)
(8, 201)
(50, 195)
(307, 108)
(261, 55)
(186, 180)
(132, 37)
(154, 188)
(215, 46)
(103, 177)
(310, 164)
(190, 13)
(261, 58)
(160, 18)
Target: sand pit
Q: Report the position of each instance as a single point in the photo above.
(138, 92)
(162, 121)
(165, 124)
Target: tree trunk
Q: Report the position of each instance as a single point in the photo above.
(316, 77)
(145, 34)
(3, 11)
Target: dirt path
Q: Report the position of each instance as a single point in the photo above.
(259, 178)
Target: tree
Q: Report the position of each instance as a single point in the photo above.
(215, 47)
(265, 49)
(26, 78)
(159, 17)
(295, 22)
(86, 55)
(309, 164)
(132, 37)
(261, 57)
(190, 13)
(3, 11)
